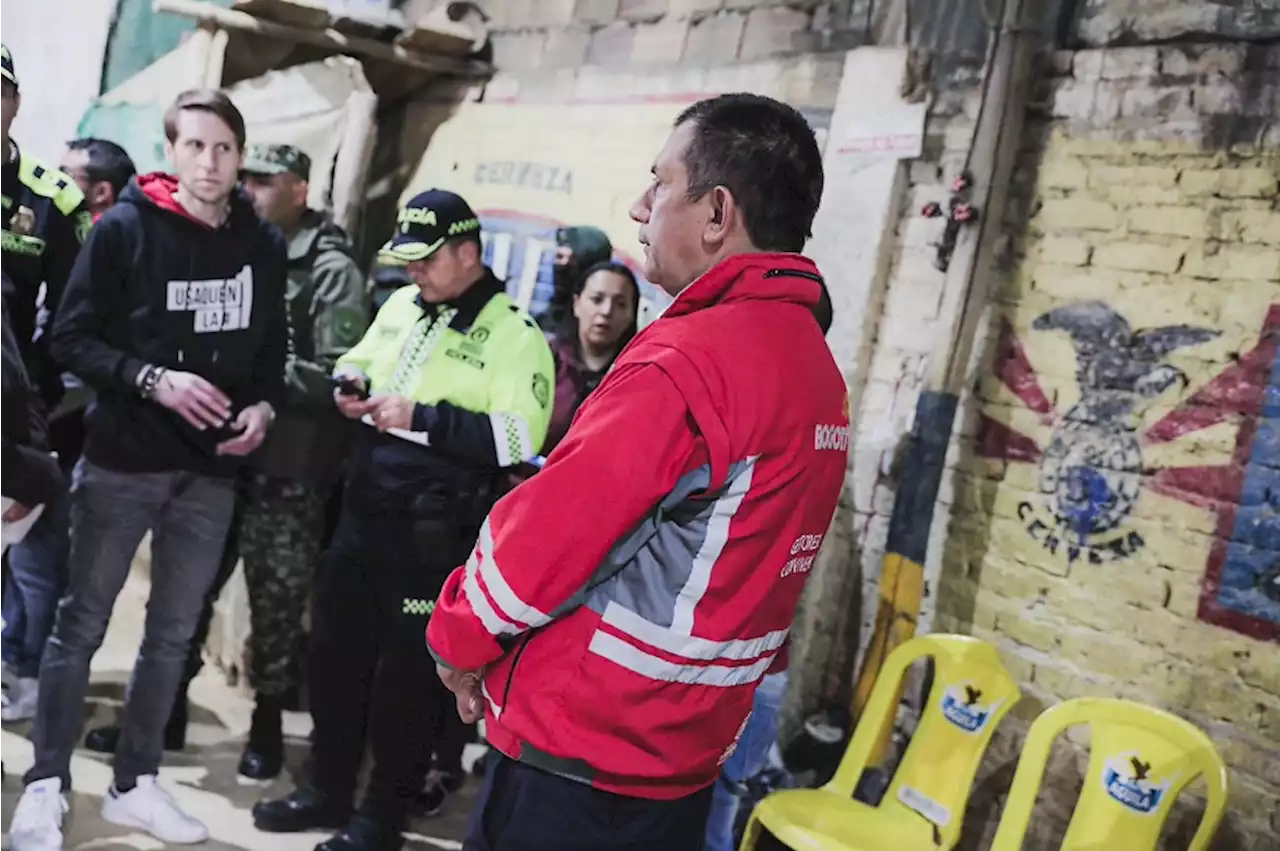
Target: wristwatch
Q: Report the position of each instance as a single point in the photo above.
(148, 380)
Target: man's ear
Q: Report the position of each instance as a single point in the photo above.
(300, 190)
(101, 195)
(721, 215)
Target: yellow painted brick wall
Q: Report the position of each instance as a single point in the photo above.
(1165, 233)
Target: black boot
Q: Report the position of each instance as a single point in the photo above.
(306, 808)
(105, 739)
(263, 756)
(363, 833)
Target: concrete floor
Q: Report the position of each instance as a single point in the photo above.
(203, 778)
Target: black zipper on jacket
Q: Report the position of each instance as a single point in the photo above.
(794, 273)
(506, 691)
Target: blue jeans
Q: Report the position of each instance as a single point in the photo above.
(37, 578)
(747, 760)
(188, 516)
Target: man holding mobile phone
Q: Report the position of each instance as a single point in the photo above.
(280, 521)
(175, 315)
(452, 383)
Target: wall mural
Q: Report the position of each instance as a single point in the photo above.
(1097, 458)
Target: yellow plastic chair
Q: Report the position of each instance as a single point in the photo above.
(1140, 758)
(923, 807)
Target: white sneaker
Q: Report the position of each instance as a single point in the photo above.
(20, 700)
(149, 807)
(37, 820)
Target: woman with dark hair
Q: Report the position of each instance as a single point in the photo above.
(601, 321)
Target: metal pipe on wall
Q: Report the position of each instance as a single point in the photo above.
(970, 272)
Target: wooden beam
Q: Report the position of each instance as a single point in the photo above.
(216, 60)
(307, 14)
(336, 41)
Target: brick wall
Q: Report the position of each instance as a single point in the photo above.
(1111, 503)
(1104, 22)
(549, 34)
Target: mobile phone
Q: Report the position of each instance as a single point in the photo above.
(348, 387)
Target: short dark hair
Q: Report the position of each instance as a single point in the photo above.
(462, 239)
(568, 330)
(764, 152)
(207, 100)
(107, 161)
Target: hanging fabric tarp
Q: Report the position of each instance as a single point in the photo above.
(139, 36)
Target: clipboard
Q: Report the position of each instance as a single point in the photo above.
(419, 437)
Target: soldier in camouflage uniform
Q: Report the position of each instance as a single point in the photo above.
(281, 517)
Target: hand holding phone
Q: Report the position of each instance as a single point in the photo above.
(346, 385)
(350, 395)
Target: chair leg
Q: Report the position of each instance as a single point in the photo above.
(750, 834)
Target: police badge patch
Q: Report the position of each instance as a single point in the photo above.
(84, 223)
(541, 389)
(348, 325)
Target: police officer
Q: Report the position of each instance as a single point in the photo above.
(461, 384)
(281, 514)
(45, 223)
(45, 220)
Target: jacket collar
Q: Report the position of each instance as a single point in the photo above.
(469, 304)
(779, 277)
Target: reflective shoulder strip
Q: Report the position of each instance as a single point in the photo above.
(509, 605)
(511, 439)
(49, 183)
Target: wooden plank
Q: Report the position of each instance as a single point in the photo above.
(311, 14)
(329, 39)
(441, 37)
(361, 27)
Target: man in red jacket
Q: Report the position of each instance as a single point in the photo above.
(615, 659)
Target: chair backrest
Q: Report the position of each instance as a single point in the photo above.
(1140, 759)
(971, 692)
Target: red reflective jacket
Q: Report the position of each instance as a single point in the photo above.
(627, 599)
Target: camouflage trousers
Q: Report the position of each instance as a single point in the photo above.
(279, 539)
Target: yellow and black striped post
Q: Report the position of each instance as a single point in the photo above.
(970, 268)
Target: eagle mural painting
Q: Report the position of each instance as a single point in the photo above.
(1092, 468)
(1134, 430)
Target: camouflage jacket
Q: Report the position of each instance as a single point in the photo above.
(328, 314)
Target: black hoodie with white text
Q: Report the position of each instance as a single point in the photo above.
(153, 285)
